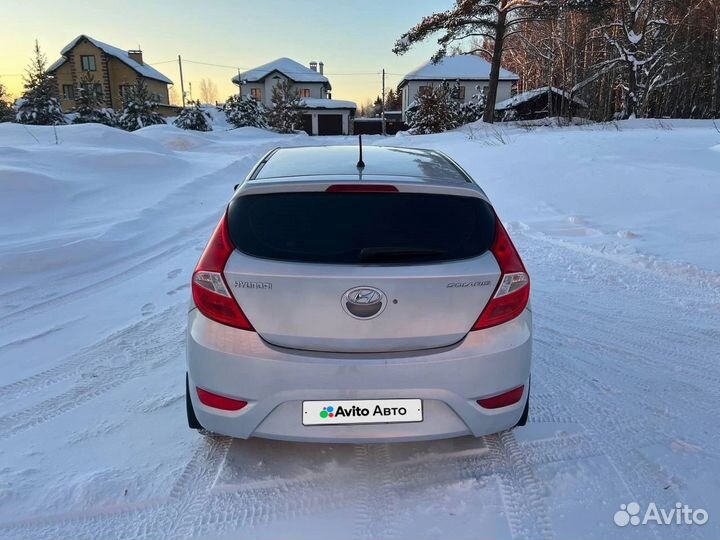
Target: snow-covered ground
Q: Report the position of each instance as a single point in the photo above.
(99, 234)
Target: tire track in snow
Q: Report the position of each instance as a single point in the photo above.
(612, 427)
(69, 368)
(387, 501)
(652, 300)
(615, 367)
(523, 496)
(44, 379)
(644, 345)
(372, 487)
(611, 363)
(19, 341)
(376, 515)
(113, 361)
(544, 410)
(212, 510)
(127, 522)
(602, 366)
(615, 436)
(354, 487)
(138, 268)
(571, 447)
(191, 493)
(258, 507)
(172, 517)
(363, 508)
(657, 268)
(191, 234)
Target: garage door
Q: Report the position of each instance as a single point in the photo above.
(330, 124)
(307, 123)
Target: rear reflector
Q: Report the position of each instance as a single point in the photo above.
(219, 402)
(502, 400)
(361, 188)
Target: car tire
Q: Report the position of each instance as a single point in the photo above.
(192, 420)
(526, 411)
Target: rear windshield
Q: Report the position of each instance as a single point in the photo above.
(361, 228)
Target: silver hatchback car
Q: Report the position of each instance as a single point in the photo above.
(346, 300)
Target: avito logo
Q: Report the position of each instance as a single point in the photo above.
(332, 412)
(682, 514)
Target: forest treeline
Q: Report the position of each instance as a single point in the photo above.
(646, 58)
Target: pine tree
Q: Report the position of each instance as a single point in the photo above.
(433, 111)
(89, 109)
(377, 106)
(493, 20)
(411, 112)
(285, 116)
(39, 104)
(242, 111)
(472, 110)
(7, 112)
(140, 108)
(392, 101)
(194, 117)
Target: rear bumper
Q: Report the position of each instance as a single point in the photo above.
(275, 381)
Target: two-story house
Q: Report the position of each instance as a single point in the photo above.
(111, 70)
(322, 115)
(470, 73)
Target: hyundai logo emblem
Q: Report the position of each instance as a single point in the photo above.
(364, 302)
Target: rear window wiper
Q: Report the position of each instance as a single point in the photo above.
(385, 254)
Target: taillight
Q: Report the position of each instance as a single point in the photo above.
(209, 289)
(361, 188)
(513, 291)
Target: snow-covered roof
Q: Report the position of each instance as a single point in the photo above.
(461, 66)
(318, 103)
(290, 68)
(142, 69)
(532, 94)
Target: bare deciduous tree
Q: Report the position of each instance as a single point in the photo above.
(623, 57)
(208, 91)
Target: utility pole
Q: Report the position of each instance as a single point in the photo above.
(716, 63)
(382, 106)
(182, 84)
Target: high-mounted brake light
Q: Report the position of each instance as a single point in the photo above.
(361, 188)
(513, 291)
(209, 289)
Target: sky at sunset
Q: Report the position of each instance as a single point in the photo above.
(353, 39)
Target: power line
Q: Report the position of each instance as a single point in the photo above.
(289, 72)
(374, 73)
(213, 65)
(158, 63)
(239, 70)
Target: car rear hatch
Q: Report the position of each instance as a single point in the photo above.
(367, 271)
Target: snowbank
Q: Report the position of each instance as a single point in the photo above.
(100, 233)
(641, 189)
